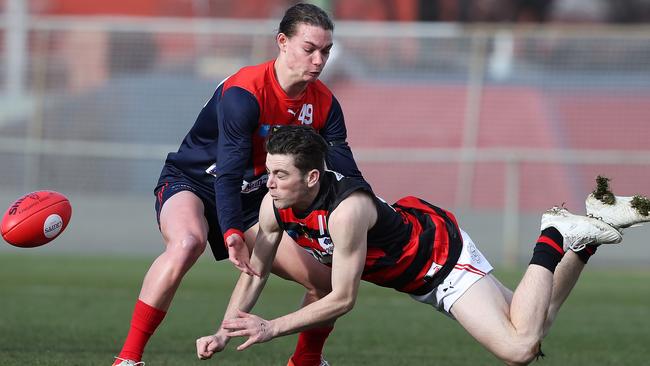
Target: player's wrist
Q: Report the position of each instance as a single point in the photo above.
(274, 329)
(232, 231)
(221, 334)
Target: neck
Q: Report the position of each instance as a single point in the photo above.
(310, 197)
(292, 87)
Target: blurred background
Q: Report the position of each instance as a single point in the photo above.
(495, 109)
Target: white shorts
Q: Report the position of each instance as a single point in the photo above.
(471, 267)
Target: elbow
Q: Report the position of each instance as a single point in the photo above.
(345, 306)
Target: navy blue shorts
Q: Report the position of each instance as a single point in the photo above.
(172, 180)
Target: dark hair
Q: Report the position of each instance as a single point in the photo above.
(304, 13)
(307, 147)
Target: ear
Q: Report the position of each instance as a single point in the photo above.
(313, 176)
(281, 40)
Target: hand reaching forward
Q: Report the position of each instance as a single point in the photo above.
(238, 254)
(257, 330)
(207, 346)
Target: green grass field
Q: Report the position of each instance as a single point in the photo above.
(65, 310)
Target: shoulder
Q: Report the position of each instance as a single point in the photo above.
(249, 78)
(358, 207)
(321, 91)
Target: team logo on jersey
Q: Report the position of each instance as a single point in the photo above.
(248, 187)
(306, 114)
(326, 244)
(212, 170)
(264, 130)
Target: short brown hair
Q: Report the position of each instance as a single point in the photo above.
(307, 147)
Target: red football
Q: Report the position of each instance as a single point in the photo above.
(36, 219)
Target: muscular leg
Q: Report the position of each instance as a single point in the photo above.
(184, 231)
(512, 331)
(564, 279)
(511, 325)
(566, 276)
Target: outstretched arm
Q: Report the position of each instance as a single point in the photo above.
(248, 287)
(349, 225)
(237, 114)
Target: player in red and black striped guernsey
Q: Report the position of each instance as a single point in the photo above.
(402, 246)
(411, 246)
(211, 188)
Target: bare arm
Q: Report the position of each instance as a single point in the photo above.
(349, 225)
(248, 287)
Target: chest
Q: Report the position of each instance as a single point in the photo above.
(311, 233)
(311, 109)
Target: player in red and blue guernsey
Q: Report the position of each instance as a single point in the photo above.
(211, 189)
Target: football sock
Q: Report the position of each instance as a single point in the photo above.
(548, 251)
(144, 322)
(586, 253)
(310, 346)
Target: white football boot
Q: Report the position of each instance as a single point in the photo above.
(624, 212)
(579, 231)
(128, 362)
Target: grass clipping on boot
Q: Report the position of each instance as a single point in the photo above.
(605, 195)
(641, 204)
(602, 192)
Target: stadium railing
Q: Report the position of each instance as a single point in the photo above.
(486, 118)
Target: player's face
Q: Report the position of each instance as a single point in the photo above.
(287, 185)
(307, 51)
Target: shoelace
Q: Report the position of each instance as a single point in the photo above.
(579, 242)
(129, 362)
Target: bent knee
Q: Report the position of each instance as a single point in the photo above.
(316, 292)
(318, 286)
(521, 353)
(186, 247)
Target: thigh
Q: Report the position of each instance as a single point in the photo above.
(507, 293)
(294, 263)
(483, 310)
(181, 215)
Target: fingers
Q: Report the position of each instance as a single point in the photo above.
(238, 255)
(202, 351)
(249, 342)
(243, 314)
(247, 325)
(240, 326)
(236, 262)
(242, 263)
(250, 271)
(242, 329)
(244, 266)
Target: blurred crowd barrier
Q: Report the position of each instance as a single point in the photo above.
(494, 119)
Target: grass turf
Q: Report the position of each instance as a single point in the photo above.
(71, 310)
